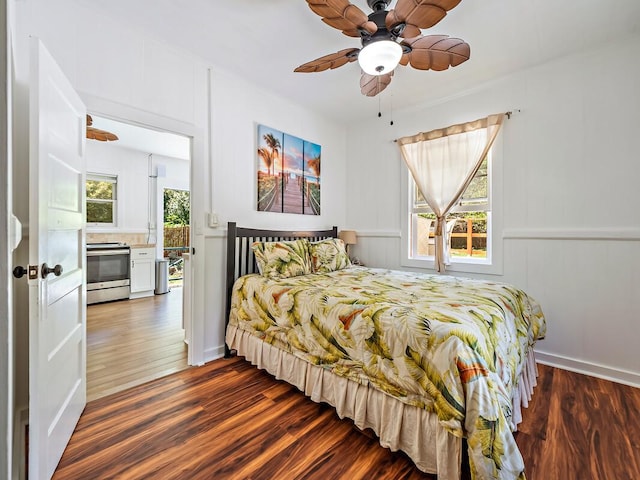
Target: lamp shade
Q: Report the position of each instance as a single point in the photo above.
(348, 237)
(380, 57)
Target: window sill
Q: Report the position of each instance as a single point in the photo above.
(467, 265)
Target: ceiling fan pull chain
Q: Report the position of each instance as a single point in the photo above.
(379, 109)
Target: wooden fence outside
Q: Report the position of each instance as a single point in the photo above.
(176, 238)
(469, 235)
(460, 240)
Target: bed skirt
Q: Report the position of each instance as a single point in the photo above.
(398, 426)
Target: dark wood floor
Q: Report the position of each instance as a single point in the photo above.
(228, 420)
(580, 427)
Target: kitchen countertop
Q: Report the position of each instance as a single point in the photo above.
(142, 245)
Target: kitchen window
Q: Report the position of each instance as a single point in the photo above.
(101, 199)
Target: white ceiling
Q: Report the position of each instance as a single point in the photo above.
(264, 40)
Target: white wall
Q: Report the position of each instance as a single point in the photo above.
(238, 106)
(571, 216)
(125, 74)
(132, 169)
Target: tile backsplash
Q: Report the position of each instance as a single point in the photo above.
(128, 238)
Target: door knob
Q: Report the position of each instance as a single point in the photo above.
(19, 271)
(46, 270)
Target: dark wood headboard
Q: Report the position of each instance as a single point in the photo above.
(240, 259)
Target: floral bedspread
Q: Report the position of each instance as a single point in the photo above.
(453, 346)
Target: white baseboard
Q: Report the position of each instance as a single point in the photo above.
(213, 353)
(146, 293)
(594, 370)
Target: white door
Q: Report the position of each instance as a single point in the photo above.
(57, 291)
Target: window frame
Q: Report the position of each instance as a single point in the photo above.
(493, 263)
(103, 177)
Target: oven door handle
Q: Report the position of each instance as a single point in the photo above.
(96, 253)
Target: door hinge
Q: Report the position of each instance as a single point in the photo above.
(193, 250)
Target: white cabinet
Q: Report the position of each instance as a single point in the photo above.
(143, 272)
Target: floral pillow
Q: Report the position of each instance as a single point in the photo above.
(328, 255)
(282, 259)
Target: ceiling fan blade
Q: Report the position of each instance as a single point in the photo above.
(343, 15)
(372, 85)
(101, 135)
(344, 25)
(437, 52)
(419, 13)
(97, 134)
(411, 31)
(333, 60)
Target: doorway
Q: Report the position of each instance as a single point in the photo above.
(135, 340)
(176, 232)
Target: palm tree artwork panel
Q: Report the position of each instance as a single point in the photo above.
(288, 173)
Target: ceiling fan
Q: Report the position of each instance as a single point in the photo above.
(389, 38)
(97, 134)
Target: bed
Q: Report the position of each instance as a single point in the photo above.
(425, 361)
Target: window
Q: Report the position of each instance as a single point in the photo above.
(442, 161)
(101, 199)
(468, 224)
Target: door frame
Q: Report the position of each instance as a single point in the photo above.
(6, 311)
(133, 116)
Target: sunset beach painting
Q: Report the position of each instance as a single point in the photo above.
(288, 175)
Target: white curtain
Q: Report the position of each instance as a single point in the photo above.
(443, 162)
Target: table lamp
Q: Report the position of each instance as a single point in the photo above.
(348, 237)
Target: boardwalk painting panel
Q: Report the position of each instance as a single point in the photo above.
(288, 173)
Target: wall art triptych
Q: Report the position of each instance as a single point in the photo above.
(288, 173)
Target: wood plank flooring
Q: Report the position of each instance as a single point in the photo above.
(130, 342)
(229, 420)
(581, 427)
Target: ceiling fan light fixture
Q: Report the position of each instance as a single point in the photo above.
(380, 57)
